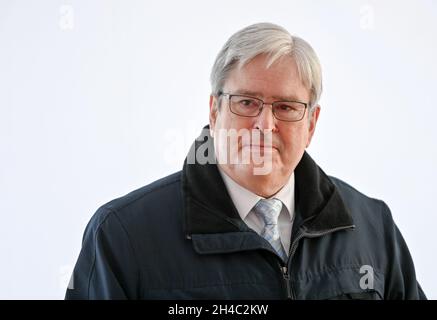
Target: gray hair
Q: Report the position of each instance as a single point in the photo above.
(275, 41)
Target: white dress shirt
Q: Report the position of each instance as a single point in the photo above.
(244, 200)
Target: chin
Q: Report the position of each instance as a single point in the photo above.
(265, 185)
(263, 172)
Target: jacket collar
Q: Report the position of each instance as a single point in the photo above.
(211, 218)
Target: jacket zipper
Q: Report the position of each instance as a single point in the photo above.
(284, 269)
(287, 281)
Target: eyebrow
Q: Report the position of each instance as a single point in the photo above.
(258, 94)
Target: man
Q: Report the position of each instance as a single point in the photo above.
(251, 215)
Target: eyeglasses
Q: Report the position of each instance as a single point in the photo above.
(247, 106)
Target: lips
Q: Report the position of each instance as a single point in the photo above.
(260, 146)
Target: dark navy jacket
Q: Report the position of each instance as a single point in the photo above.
(181, 237)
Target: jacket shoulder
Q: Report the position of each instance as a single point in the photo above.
(361, 204)
(347, 190)
(139, 205)
(150, 192)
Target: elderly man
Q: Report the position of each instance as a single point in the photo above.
(251, 215)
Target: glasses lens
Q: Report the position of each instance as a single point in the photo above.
(289, 111)
(245, 106)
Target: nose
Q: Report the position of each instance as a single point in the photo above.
(266, 120)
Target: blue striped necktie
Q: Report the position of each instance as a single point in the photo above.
(268, 210)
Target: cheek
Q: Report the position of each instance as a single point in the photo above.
(231, 121)
(294, 141)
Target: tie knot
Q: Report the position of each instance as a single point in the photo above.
(269, 210)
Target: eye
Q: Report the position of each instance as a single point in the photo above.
(284, 107)
(288, 107)
(248, 103)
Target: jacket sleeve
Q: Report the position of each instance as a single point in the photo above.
(106, 267)
(400, 282)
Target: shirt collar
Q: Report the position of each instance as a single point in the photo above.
(244, 200)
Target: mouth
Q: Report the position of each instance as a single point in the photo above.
(261, 147)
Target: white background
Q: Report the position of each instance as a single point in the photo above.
(98, 98)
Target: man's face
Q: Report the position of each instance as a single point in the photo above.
(280, 82)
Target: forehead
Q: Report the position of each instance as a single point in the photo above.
(278, 81)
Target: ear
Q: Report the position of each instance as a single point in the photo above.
(313, 122)
(213, 111)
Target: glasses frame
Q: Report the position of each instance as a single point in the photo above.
(230, 95)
